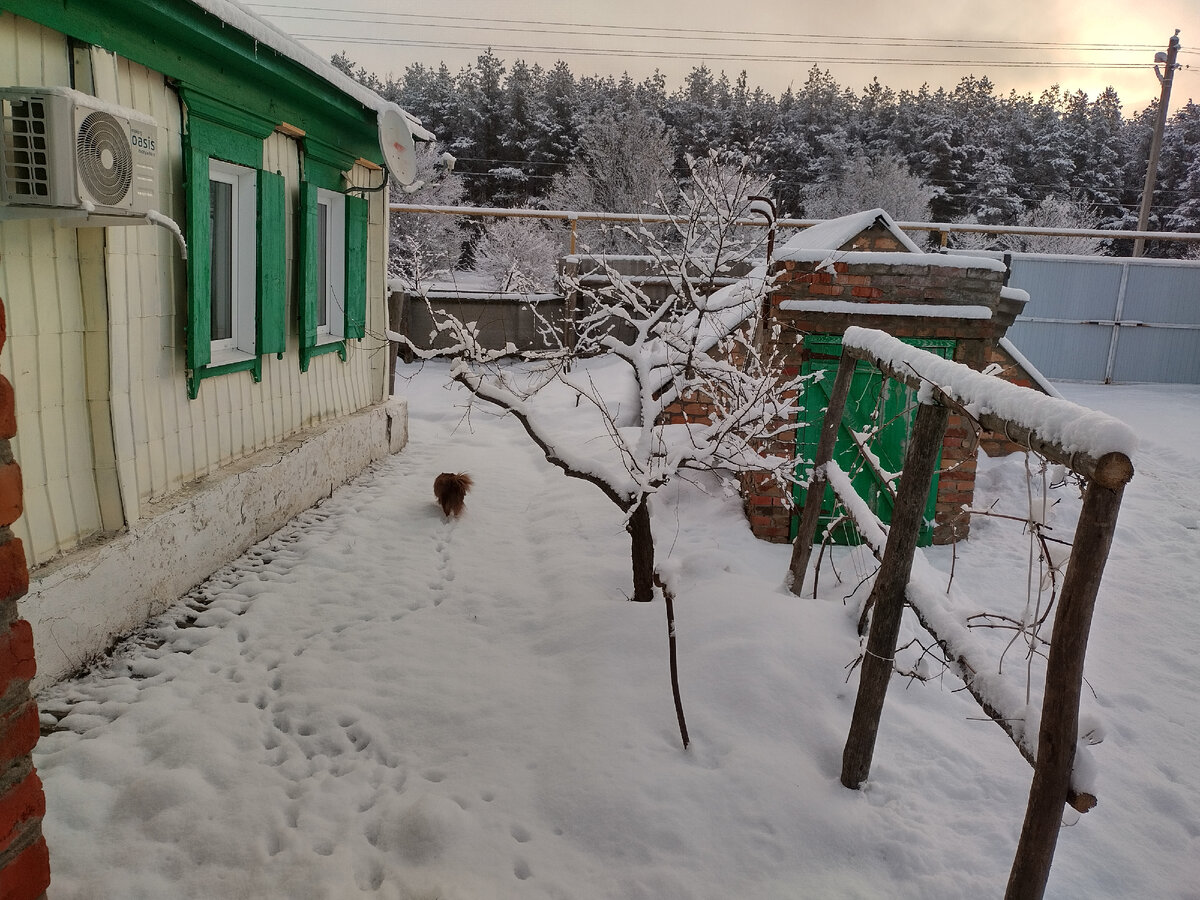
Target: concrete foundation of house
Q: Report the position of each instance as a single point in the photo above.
(80, 603)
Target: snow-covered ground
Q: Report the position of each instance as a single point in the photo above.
(377, 702)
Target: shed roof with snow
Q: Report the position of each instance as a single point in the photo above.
(873, 237)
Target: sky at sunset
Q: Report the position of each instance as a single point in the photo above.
(1020, 45)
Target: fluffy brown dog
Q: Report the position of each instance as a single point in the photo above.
(451, 490)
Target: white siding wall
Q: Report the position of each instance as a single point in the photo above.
(42, 285)
(96, 324)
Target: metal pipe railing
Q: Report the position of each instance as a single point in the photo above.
(943, 228)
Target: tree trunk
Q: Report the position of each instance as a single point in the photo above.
(642, 547)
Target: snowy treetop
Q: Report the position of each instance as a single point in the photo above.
(233, 13)
(1074, 428)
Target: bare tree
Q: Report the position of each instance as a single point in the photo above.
(691, 340)
(1053, 212)
(617, 431)
(517, 255)
(623, 164)
(1057, 212)
(724, 181)
(425, 246)
(884, 182)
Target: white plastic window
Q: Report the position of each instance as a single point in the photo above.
(232, 260)
(331, 265)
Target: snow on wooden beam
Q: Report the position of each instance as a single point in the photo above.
(1093, 444)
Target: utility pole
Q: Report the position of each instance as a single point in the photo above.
(1156, 142)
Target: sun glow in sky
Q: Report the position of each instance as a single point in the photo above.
(1022, 45)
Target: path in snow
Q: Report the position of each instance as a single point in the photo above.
(335, 709)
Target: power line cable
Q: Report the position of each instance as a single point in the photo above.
(744, 57)
(657, 33)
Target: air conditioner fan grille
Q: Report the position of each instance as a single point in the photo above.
(105, 158)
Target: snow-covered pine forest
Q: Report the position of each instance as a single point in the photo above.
(517, 130)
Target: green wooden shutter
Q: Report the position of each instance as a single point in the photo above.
(199, 274)
(308, 272)
(356, 266)
(272, 263)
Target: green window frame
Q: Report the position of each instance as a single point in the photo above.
(206, 141)
(333, 266)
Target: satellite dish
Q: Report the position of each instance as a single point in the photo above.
(396, 141)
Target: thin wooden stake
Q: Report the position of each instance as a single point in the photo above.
(887, 596)
(806, 531)
(669, 599)
(1059, 728)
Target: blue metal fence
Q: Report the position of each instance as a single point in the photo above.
(1103, 319)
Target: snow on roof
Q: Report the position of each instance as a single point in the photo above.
(1030, 369)
(1011, 293)
(833, 233)
(893, 258)
(233, 13)
(852, 307)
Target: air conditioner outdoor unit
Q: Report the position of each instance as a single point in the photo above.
(62, 150)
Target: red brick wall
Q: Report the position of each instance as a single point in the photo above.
(767, 508)
(1012, 371)
(24, 858)
(956, 481)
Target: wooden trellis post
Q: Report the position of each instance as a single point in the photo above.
(806, 531)
(887, 595)
(1059, 730)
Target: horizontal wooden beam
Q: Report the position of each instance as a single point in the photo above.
(1112, 470)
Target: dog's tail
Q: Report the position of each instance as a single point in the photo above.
(451, 490)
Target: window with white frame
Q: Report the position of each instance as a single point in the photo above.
(331, 265)
(232, 260)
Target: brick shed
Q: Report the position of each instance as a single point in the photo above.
(863, 270)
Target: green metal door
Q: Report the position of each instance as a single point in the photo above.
(878, 419)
